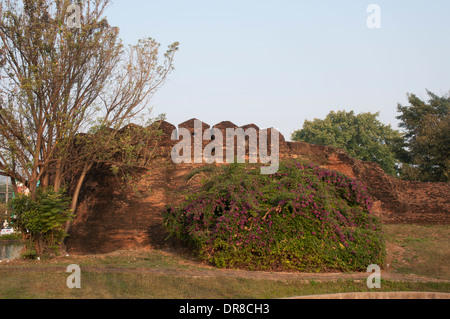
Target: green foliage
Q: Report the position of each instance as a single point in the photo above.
(60, 82)
(427, 146)
(362, 136)
(15, 236)
(301, 218)
(42, 219)
(203, 169)
(3, 209)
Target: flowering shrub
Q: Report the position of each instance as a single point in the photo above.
(302, 218)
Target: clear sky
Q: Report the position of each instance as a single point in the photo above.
(276, 63)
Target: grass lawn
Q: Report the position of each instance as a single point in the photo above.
(49, 285)
(420, 250)
(412, 249)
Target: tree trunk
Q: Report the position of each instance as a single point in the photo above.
(33, 184)
(45, 180)
(14, 185)
(57, 182)
(76, 193)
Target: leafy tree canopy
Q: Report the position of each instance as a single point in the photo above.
(363, 136)
(427, 138)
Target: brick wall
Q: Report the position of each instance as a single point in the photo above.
(110, 218)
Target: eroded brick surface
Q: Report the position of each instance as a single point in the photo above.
(110, 218)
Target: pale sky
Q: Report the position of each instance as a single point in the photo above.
(276, 63)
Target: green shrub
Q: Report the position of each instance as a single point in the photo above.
(302, 218)
(41, 220)
(15, 236)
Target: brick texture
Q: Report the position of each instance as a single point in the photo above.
(111, 218)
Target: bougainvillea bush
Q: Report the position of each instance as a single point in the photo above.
(302, 218)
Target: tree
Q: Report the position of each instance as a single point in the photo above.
(427, 138)
(59, 82)
(41, 220)
(362, 136)
(126, 152)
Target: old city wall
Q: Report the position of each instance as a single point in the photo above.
(109, 218)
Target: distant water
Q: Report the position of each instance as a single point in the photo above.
(10, 250)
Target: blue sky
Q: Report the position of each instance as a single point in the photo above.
(278, 63)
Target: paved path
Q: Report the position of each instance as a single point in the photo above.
(380, 295)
